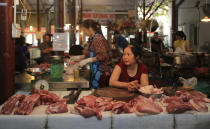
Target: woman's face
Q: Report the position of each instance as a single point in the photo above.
(128, 56)
(86, 31)
(178, 37)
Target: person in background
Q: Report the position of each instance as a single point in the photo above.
(98, 55)
(119, 40)
(46, 48)
(20, 59)
(129, 73)
(181, 44)
(156, 43)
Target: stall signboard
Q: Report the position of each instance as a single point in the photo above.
(60, 42)
(102, 18)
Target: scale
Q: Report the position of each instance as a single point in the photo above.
(41, 85)
(38, 82)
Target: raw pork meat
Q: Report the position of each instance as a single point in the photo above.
(128, 108)
(57, 108)
(88, 112)
(150, 90)
(198, 105)
(9, 105)
(176, 104)
(88, 101)
(47, 98)
(118, 107)
(147, 105)
(27, 105)
(91, 105)
(104, 104)
(177, 107)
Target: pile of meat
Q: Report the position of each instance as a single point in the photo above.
(44, 66)
(90, 106)
(26, 104)
(184, 101)
(150, 90)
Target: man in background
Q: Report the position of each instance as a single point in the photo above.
(157, 43)
(46, 48)
(119, 40)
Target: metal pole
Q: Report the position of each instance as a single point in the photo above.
(48, 22)
(173, 26)
(6, 51)
(59, 16)
(72, 15)
(38, 23)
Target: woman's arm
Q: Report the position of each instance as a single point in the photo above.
(144, 79)
(82, 57)
(188, 49)
(115, 77)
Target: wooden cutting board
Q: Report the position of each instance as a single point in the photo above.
(115, 93)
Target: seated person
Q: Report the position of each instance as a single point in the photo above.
(129, 73)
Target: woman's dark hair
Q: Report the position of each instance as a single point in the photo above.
(181, 34)
(136, 50)
(92, 24)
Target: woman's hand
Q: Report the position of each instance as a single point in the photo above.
(133, 86)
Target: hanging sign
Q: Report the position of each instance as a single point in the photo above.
(60, 42)
(102, 18)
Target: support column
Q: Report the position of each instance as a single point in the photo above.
(173, 21)
(72, 15)
(6, 51)
(175, 16)
(81, 20)
(59, 20)
(38, 21)
(59, 15)
(48, 22)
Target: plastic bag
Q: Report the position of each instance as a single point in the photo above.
(192, 82)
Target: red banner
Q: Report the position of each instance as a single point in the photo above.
(100, 17)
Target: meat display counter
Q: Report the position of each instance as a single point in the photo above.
(38, 119)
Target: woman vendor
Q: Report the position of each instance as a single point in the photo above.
(129, 73)
(98, 55)
(181, 44)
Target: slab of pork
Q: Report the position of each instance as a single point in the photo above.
(9, 105)
(27, 105)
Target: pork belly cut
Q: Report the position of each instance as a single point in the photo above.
(9, 105)
(27, 105)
